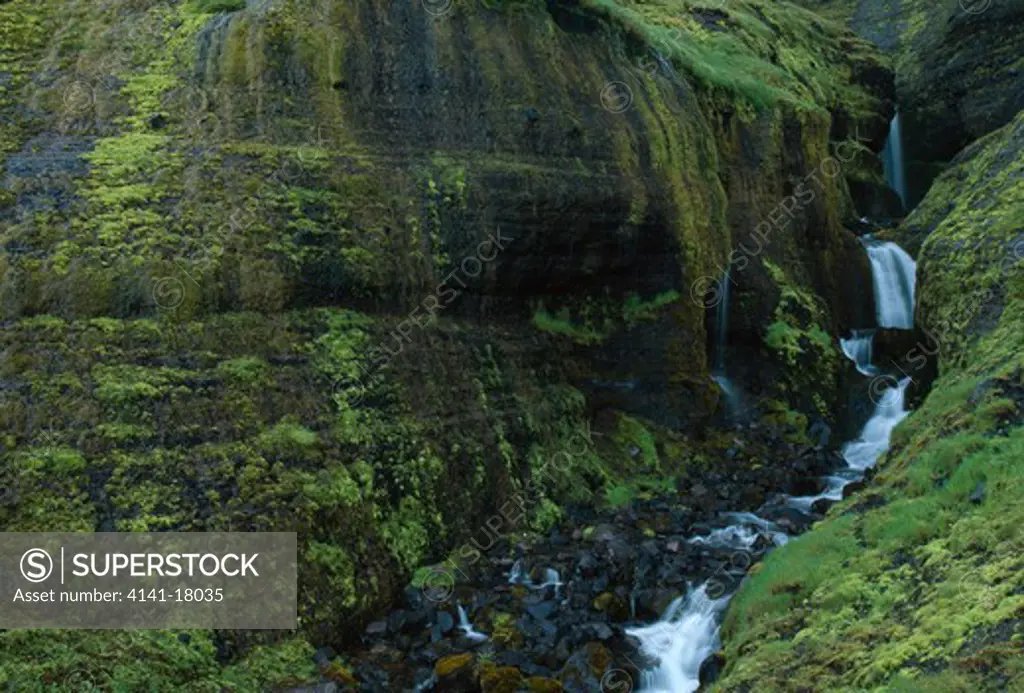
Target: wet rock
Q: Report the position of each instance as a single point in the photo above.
(455, 674)
(445, 621)
(499, 679)
(852, 488)
(413, 597)
(598, 630)
(790, 520)
(541, 610)
(372, 679)
(820, 432)
(586, 667)
(978, 494)
(612, 605)
(821, 506)
(711, 668)
(651, 603)
(322, 657)
(586, 565)
(397, 621)
(804, 486)
(377, 629)
(425, 679)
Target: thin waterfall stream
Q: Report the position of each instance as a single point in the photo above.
(733, 397)
(892, 159)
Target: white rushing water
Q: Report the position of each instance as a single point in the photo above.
(686, 635)
(743, 533)
(517, 575)
(873, 440)
(892, 272)
(862, 453)
(467, 628)
(859, 348)
(733, 398)
(688, 631)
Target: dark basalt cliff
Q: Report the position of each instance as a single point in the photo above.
(217, 221)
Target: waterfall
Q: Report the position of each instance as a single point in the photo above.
(892, 272)
(858, 348)
(893, 276)
(733, 397)
(873, 440)
(686, 635)
(892, 160)
(722, 324)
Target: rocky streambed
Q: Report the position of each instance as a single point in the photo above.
(565, 612)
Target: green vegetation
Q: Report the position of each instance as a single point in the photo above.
(293, 446)
(561, 324)
(636, 309)
(728, 47)
(796, 337)
(213, 6)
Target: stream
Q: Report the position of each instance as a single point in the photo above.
(645, 586)
(688, 632)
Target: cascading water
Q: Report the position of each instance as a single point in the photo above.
(688, 632)
(858, 348)
(892, 272)
(467, 628)
(892, 160)
(686, 635)
(862, 453)
(873, 440)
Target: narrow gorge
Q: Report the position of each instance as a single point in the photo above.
(577, 345)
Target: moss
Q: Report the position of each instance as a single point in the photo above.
(560, 324)
(505, 633)
(546, 517)
(448, 666)
(539, 684)
(185, 381)
(214, 6)
(636, 439)
(70, 661)
(734, 55)
(637, 309)
(496, 679)
(798, 340)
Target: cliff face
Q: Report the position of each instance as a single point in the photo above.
(916, 584)
(959, 70)
(246, 248)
